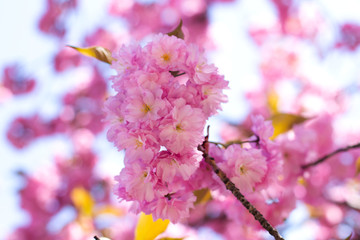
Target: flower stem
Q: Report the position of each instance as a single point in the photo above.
(227, 144)
(322, 159)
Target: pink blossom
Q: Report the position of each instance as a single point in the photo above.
(139, 144)
(171, 164)
(212, 95)
(264, 130)
(136, 182)
(65, 59)
(183, 130)
(167, 52)
(143, 105)
(159, 105)
(173, 206)
(248, 165)
(16, 80)
(200, 71)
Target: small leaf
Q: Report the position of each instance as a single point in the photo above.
(283, 122)
(177, 32)
(100, 53)
(169, 238)
(82, 200)
(273, 101)
(202, 195)
(147, 229)
(357, 166)
(109, 209)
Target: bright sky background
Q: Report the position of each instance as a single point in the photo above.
(236, 57)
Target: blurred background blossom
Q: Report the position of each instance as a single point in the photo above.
(57, 166)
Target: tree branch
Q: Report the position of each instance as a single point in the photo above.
(320, 160)
(235, 191)
(227, 144)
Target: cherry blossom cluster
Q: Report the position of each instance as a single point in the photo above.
(165, 93)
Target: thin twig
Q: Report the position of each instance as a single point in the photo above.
(320, 160)
(235, 191)
(229, 143)
(96, 238)
(218, 143)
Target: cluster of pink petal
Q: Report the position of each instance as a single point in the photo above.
(165, 93)
(16, 81)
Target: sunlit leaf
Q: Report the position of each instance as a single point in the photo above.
(202, 195)
(283, 122)
(147, 229)
(357, 166)
(168, 238)
(273, 101)
(82, 200)
(177, 32)
(100, 53)
(108, 209)
(314, 212)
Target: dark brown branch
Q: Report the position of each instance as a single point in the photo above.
(236, 192)
(96, 238)
(320, 160)
(177, 73)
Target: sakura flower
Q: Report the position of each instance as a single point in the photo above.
(200, 70)
(212, 94)
(138, 144)
(159, 105)
(248, 165)
(167, 52)
(143, 105)
(173, 206)
(175, 164)
(184, 129)
(264, 130)
(136, 182)
(16, 81)
(128, 58)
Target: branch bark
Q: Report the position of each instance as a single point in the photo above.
(236, 192)
(322, 159)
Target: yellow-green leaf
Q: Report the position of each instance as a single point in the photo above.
(100, 53)
(82, 200)
(273, 101)
(109, 209)
(357, 166)
(177, 32)
(169, 238)
(283, 122)
(202, 195)
(147, 229)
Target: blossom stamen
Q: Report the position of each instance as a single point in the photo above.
(166, 57)
(138, 144)
(179, 128)
(146, 108)
(243, 170)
